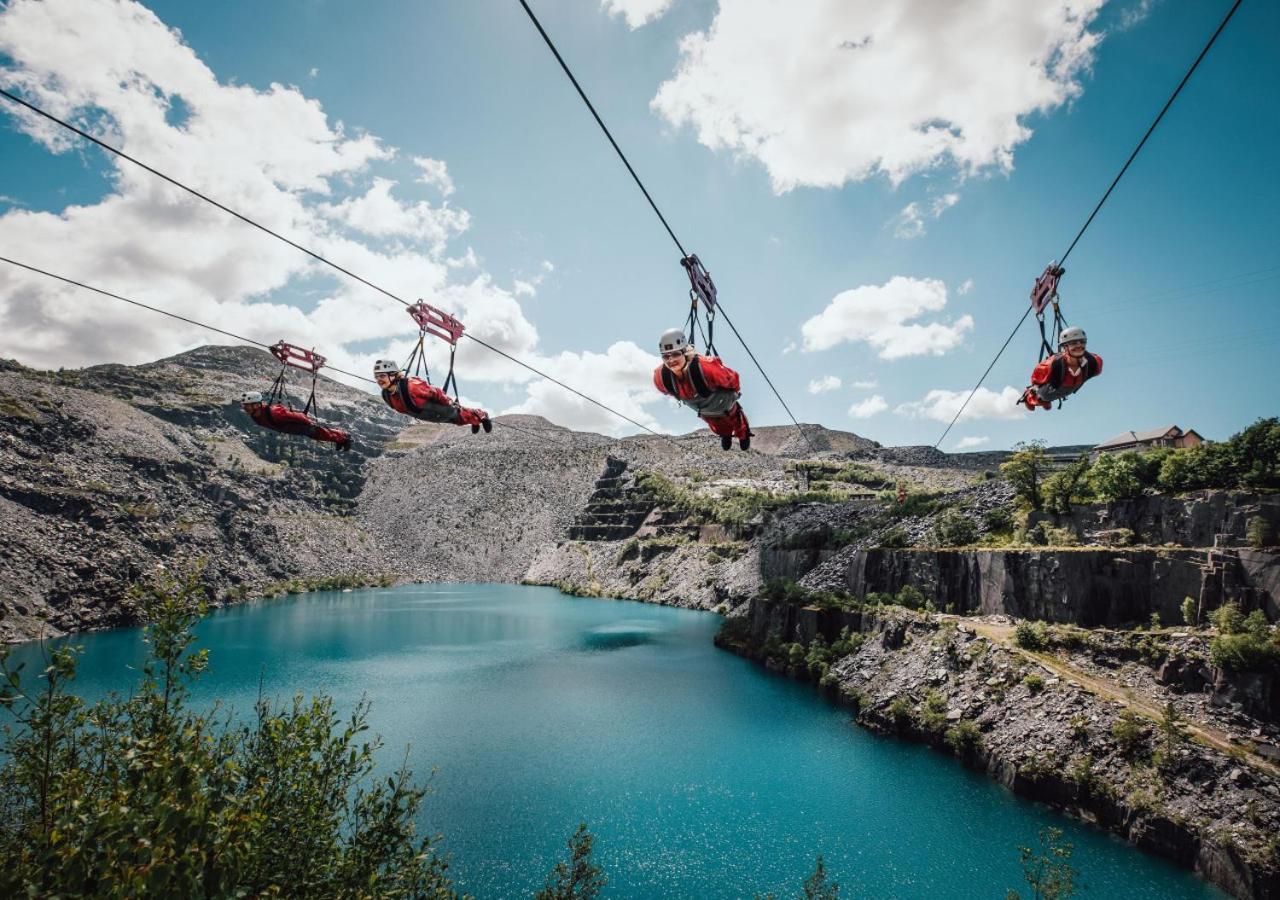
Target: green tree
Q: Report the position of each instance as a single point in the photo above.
(578, 878)
(1025, 471)
(816, 886)
(1117, 477)
(1173, 731)
(142, 796)
(1258, 532)
(1228, 618)
(1067, 486)
(1047, 869)
(1190, 612)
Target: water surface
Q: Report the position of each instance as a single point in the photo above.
(700, 774)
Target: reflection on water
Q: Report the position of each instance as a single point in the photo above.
(700, 774)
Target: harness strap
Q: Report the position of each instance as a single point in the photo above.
(402, 388)
(699, 381)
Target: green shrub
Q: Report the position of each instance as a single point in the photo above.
(911, 597)
(933, 712)
(1034, 682)
(900, 709)
(1117, 476)
(1190, 612)
(1247, 644)
(963, 736)
(1129, 732)
(955, 529)
(998, 519)
(141, 796)
(846, 643)
(1228, 618)
(1031, 635)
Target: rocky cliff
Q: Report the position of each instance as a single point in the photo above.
(1043, 728)
(98, 487)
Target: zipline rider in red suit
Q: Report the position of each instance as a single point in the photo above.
(415, 397)
(1064, 373)
(705, 385)
(279, 417)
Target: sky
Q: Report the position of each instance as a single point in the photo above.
(874, 186)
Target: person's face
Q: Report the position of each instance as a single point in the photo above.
(385, 379)
(1075, 349)
(675, 361)
(252, 407)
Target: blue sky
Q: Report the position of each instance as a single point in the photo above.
(472, 85)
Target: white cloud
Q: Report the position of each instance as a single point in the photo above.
(622, 377)
(637, 12)
(965, 287)
(868, 408)
(1136, 14)
(435, 173)
(909, 223)
(274, 154)
(378, 214)
(970, 441)
(941, 405)
(865, 385)
(823, 93)
(791, 347)
(880, 315)
(824, 384)
(314, 72)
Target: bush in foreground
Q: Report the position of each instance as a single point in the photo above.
(142, 796)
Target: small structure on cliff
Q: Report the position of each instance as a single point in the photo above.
(1168, 436)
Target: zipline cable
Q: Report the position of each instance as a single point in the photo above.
(222, 331)
(663, 219)
(1132, 156)
(313, 254)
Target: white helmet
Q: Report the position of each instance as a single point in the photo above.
(1072, 334)
(251, 397)
(386, 367)
(672, 340)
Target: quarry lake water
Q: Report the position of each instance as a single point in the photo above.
(700, 774)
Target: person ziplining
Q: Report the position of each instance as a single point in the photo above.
(279, 417)
(702, 383)
(276, 412)
(414, 394)
(1057, 375)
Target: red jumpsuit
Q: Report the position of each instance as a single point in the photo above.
(1052, 379)
(718, 403)
(429, 403)
(280, 418)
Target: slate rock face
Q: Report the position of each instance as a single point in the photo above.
(110, 471)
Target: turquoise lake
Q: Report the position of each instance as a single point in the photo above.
(700, 774)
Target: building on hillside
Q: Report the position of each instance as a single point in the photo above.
(1169, 436)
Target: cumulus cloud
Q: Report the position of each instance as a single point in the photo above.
(970, 441)
(828, 92)
(865, 385)
(637, 12)
(910, 223)
(881, 315)
(868, 408)
(435, 173)
(621, 376)
(824, 384)
(941, 405)
(274, 154)
(965, 287)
